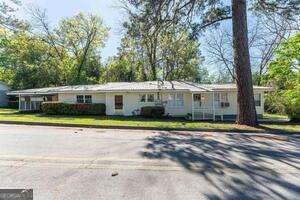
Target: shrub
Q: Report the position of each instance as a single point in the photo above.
(292, 103)
(152, 111)
(274, 103)
(54, 108)
(13, 104)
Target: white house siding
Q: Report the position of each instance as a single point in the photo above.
(232, 109)
(131, 102)
(178, 111)
(3, 96)
(71, 97)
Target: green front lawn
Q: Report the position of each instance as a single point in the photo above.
(274, 116)
(14, 115)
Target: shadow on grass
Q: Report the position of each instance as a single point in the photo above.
(162, 123)
(234, 166)
(183, 124)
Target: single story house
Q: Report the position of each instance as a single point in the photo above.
(199, 101)
(3, 97)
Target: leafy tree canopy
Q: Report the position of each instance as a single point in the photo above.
(284, 75)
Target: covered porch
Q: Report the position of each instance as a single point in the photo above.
(203, 107)
(33, 102)
(209, 105)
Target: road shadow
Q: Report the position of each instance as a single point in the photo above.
(237, 166)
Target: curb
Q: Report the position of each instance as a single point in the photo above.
(124, 127)
(143, 128)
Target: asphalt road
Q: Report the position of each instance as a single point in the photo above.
(78, 163)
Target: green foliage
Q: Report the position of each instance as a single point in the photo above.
(274, 103)
(120, 69)
(293, 103)
(69, 55)
(152, 111)
(27, 62)
(160, 47)
(284, 75)
(54, 108)
(82, 37)
(180, 56)
(13, 104)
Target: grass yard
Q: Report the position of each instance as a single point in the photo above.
(274, 116)
(14, 115)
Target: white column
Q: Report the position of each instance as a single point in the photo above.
(106, 103)
(19, 102)
(193, 106)
(214, 114)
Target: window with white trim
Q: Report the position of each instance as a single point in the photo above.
(257, 99)
(143, 97)
(88, 99)
(84, 99)
(176, 100)
(221, 99)
(147, 97)
(150, 97)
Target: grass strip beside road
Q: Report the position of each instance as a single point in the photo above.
(13, 115)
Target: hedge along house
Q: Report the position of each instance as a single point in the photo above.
(199, 101)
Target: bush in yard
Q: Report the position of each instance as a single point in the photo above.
(292, 103)
(152, 111)
(55, 108)
(13, 104)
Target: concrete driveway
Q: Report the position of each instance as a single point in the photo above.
(75, 163)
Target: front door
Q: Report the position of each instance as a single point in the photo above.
(118, 102)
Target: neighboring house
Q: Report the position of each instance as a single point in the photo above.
(199, 101)
(3, 97)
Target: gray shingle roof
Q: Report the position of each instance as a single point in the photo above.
(133, 86)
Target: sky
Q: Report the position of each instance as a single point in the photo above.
(109, 10)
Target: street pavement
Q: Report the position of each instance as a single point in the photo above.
(87, 163)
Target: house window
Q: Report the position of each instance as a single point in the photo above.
(176, 100)
(197, 97)
(150, 97)
(119, 102)
(224, 97)
(221, 99)
(147, 98)
(88, 98)
(80, 99)
(217, 100)
(142, 98)
(257, 99)
(84, 98)
(197, 100)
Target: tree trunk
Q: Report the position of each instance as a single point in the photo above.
(245, 98)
